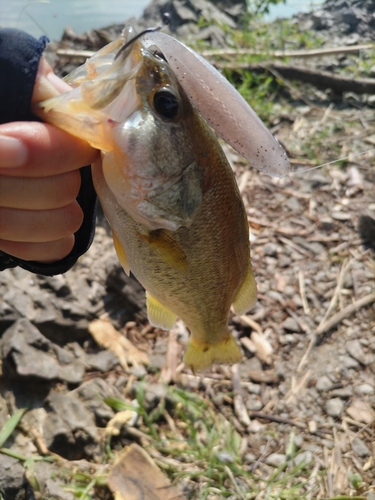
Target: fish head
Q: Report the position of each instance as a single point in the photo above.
(127, 102)
(154, 170)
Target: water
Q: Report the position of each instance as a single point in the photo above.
(292, 7)
(49, 17)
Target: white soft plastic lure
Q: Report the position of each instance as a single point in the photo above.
(222, 106)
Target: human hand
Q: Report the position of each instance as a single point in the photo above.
(39, 182)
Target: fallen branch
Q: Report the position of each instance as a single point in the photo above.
(321, 79)
(288, 53)
(277, 54)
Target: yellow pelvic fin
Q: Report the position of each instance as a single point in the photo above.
(246, 296)
(158, 314)
(198, 356)
(121, 254)
(168, 250)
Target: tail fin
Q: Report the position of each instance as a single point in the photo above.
(198, 356)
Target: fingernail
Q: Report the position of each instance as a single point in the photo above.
(13, 153)
(59, 84)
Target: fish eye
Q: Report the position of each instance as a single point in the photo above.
(166, 104)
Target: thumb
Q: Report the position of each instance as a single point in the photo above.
(47, 84)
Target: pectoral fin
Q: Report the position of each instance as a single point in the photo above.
(167, 249)
(246, 296)
(158, 314)
(121, 254)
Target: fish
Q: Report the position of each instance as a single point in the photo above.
(171, 198)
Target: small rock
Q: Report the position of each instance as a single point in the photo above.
(254, 388)
(93, 393)
(326, 224)
(334, 407)
(13, 482)
(349, 362)
(270, 249)
(291, 325)
(284, 261)
(288, 338)
(69, 429)
(225, 457)
(342, 216)
(138, 371)
(264, 376)
(344, 393)
(319, 180)
(254, 404)
(366, 389)
(35, 356)
(276, 459)
(323, 384)
(355, 350)
(104, 361)
(255, 426)
(293, 204)
(359, 448)
(249, 364)
(305, 458)
(153, 394)
(50, 486)
(157, 361)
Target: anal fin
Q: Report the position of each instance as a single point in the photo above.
(121, 254)
(158, 314)
(246, 296)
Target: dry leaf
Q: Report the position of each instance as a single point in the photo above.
(264, 349)
(107, 336)
(360, 411)
(135, 476)
(249, 344)
(121, 418)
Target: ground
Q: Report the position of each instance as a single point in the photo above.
(295, 419)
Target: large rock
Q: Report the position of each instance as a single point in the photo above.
(13, 482)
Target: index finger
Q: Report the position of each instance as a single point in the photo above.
(50, 151)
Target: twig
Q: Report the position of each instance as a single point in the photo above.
(275, 418)
(288, 53)
(298, 387)
(340, 282)
(302, 291)
(321, 79)
(347, 311)
(335, 319)
(294, 246)
(332, 305)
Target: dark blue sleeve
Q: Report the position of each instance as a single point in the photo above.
(19, 59)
